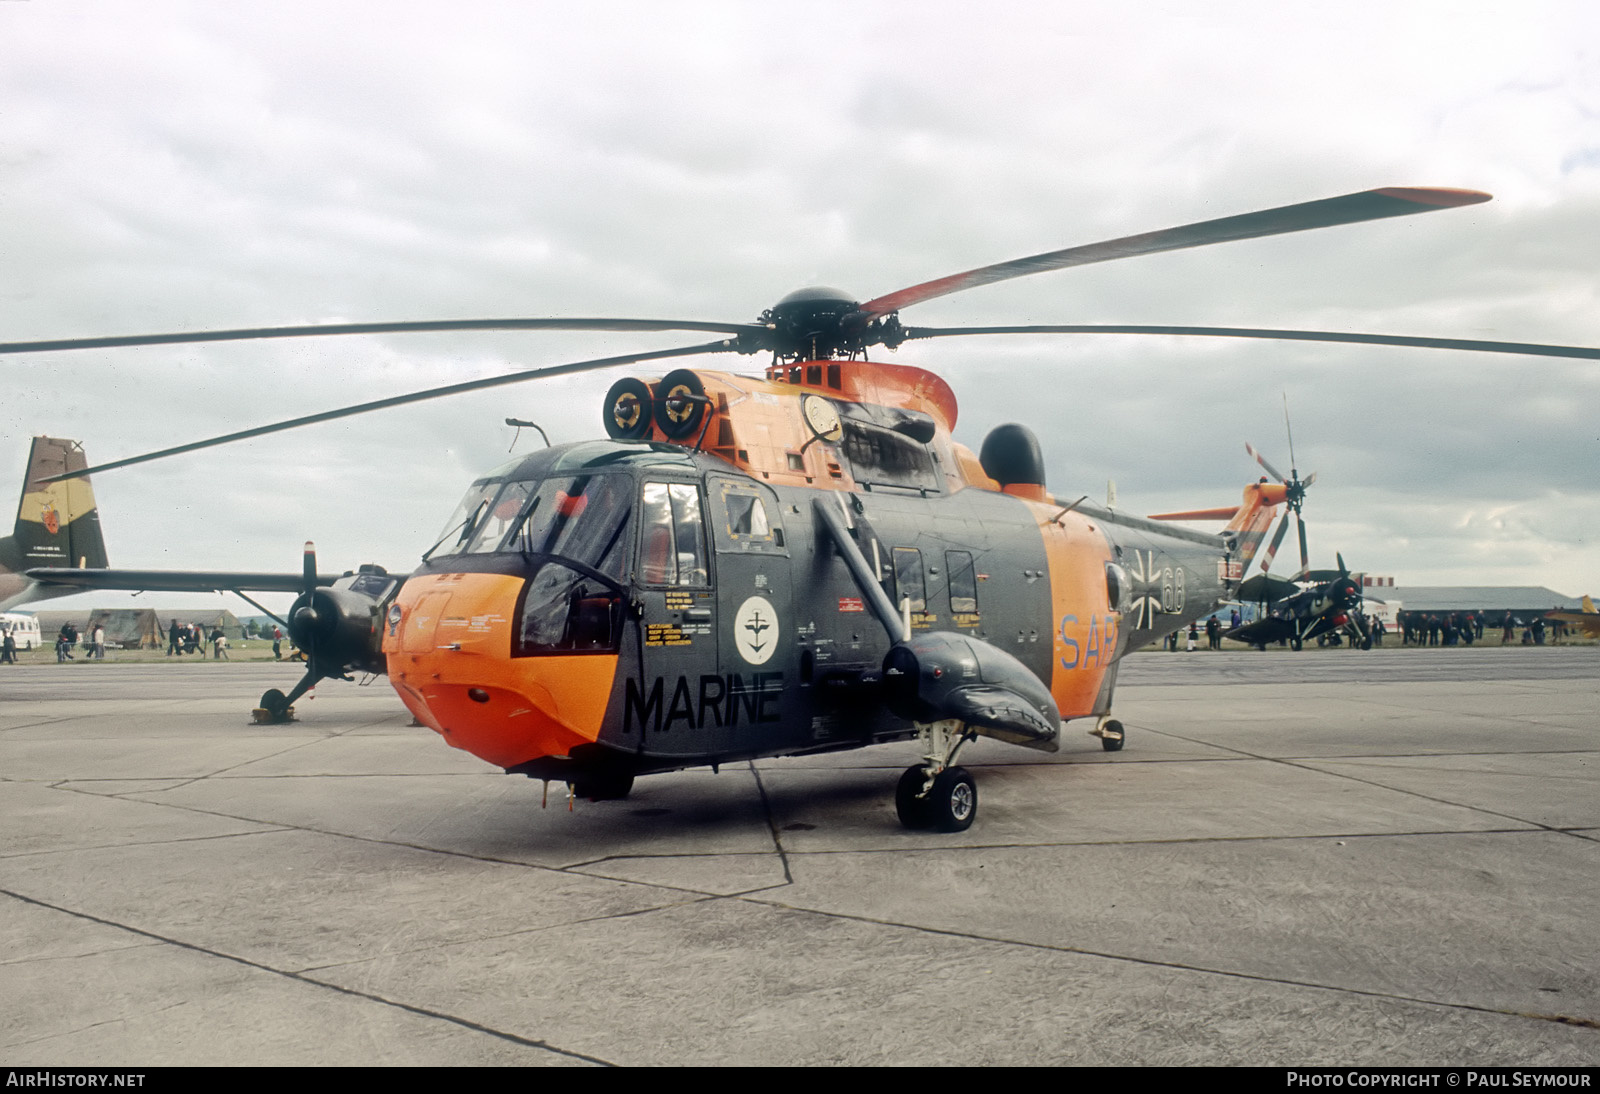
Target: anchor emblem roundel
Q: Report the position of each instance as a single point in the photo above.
(755, 630)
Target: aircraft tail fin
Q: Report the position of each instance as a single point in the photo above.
(1588, 606)
(58, 523)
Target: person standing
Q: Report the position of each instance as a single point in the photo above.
(172, 640)
(277, 649)
(97, 642)
(8, 647)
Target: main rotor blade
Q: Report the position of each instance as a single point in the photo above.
(725, 346)
(1392, 201)
(319, 329)
(1530, 349)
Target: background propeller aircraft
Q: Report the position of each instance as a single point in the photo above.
(57, 525)
(1318, 605)
(1586, 621)
(800, 561)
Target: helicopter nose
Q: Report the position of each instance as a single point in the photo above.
(448, 658)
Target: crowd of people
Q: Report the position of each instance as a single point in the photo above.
(1465, 628)
(192, 638)
(182, 638)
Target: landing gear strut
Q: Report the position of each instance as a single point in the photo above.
(934, 794)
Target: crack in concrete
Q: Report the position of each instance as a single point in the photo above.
(1562, 1019)
(409, 1008)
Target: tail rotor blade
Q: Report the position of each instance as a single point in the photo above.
(1305, 558)
(1272, 548)
(1262, 460)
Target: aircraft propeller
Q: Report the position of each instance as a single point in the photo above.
(826, 323)
(335, 627)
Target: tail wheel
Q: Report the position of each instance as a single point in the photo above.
(1112, 743)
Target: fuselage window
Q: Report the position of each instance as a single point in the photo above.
(909, 580)
(672, 539)
(963, 582)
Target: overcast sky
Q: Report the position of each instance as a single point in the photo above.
(174, 166)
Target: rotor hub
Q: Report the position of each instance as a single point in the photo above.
(819, 322)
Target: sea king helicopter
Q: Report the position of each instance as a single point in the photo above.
(794, 562)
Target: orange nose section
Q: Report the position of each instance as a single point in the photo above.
(450, 661)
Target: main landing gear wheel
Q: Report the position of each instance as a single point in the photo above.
(1112, 735)
(909, 805)
(950, 805)
(1295, 644)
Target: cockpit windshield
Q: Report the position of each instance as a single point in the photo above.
(582, 517)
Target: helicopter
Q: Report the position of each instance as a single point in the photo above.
(1324, 605)
(799, 561)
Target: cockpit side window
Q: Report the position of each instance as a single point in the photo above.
(459, 529)
(672, 539)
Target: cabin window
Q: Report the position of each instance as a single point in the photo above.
(880, 456)
(963, 582)
(1117, 587)
(909, 580)
(584, 518)
(749, 522)
(672, 539)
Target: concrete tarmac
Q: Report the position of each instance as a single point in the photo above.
(1386, 858)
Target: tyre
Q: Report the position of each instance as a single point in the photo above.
(1110, 744)
(628, 411)
(678, 405)
(913, 811)
(953, 801)
(1295, 644)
